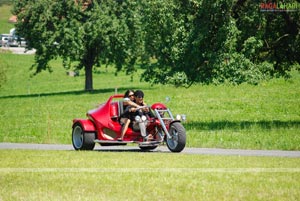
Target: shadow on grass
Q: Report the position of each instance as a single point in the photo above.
(240, 125)
(78, 92)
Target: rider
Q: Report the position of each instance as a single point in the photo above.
(128, 101)
(138, 114)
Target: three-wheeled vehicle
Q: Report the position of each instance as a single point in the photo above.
(103, 126)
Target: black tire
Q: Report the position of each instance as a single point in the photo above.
(82, 140)
(178, 137)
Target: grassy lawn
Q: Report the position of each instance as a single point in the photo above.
(5, 13)
(40, 109)
(71, 175)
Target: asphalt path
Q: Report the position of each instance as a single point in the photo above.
(18, 50)
(160, 149)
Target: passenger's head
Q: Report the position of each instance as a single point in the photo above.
(129, 94)
(139, 96)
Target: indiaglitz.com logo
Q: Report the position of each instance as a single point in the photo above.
(279, 7)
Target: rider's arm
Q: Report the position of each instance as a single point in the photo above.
(127, 101)
(134, 108)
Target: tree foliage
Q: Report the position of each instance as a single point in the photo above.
(178, 42)
(87, 32)
(216, 42)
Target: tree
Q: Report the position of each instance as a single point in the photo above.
(178, 42)
(216, 42)
(87, 32)
(277, 31)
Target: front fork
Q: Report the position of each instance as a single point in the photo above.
(160, 115)
(164, 133)
(165, 115)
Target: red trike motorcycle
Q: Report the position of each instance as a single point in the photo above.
(102, 126)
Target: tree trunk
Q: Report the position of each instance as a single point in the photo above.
(89, 77)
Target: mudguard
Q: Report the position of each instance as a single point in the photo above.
(87, 125)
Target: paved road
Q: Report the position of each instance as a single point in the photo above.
(160, 149)
(18, 50)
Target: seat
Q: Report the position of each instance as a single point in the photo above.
(116, 110)
(114, 114)
(120, 108)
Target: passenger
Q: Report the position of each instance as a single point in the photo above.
(138, 114)
(128, 101)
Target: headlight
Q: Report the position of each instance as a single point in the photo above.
(137, 118)
(181, 117)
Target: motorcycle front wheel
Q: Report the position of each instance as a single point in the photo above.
(178, 137)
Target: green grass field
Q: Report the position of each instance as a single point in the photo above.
(40, 109)
(71, 175)
(5, 14)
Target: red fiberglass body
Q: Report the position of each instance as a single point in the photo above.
(103, 126)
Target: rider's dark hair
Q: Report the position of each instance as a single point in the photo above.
(139, 93)
(128, 92)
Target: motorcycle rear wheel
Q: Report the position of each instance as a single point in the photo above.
(178, 137)
(82, 140)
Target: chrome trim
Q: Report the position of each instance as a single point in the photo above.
(158, 113)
